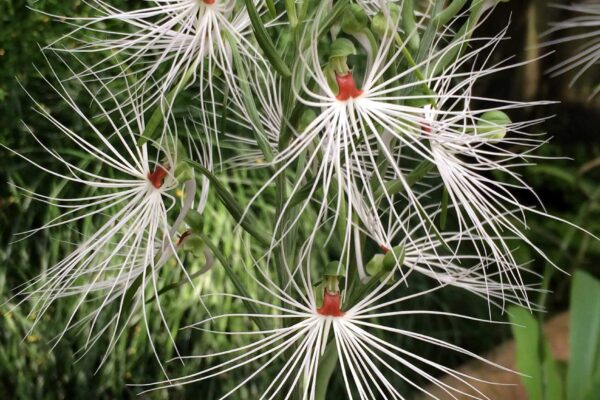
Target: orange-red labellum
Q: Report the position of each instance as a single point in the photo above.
(157, 177)
(332, 303)
(347, 87)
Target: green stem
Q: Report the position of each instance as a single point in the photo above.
(290, 8)
(248, 221)
(327, 365)
(456, 47)
(239, 286)
(410, 24)
(449, 12)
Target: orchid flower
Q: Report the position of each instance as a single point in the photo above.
(130, 198)
(173, 44)
(368, 363)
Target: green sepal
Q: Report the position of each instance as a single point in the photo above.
(339, 51)
(184, 171)
(375, 264)
(393, 258)
(341, 48)
(307, 117)
(194, 220)
(193, 244)
(334, 268)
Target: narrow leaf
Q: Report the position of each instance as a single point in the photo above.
(585, 335)
(264, 41)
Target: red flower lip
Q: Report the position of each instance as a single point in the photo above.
(157, 177)
(347, 87)
(331, 305)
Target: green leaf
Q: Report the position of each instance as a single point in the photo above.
(585, 336)
(265, 42)
(542, 378)
(553, 381)
(526, 334)
(444, 212)
(271, 8)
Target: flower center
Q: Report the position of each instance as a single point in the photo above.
(347, 87)
(384, 248)
(209, 2)
(331, 304)
(157, 177)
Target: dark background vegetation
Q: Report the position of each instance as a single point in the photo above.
(30, 369)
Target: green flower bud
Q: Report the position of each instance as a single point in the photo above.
(493, 125)
(381, 24)
(355, 19)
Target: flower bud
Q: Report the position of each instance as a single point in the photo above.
(383, 24)
(355, 19)
(493, 125)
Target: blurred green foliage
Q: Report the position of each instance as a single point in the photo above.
(30, 368)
